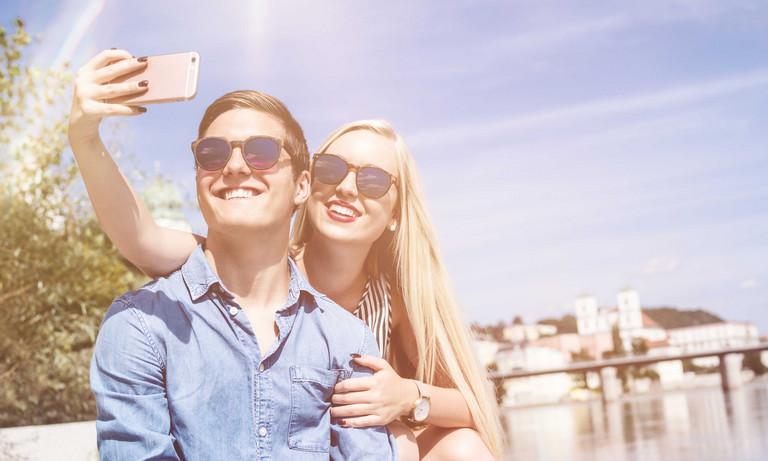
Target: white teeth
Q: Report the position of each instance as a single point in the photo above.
(237, 193)
(343, 210)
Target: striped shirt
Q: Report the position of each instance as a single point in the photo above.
(375, 310)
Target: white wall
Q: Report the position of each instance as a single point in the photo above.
(71, 442)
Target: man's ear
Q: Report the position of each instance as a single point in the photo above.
(302, 188)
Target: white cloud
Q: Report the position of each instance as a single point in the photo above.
(532, 42)
(747, 284)
(661, 264)
(677, 96)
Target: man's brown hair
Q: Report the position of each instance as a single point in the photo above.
(294, 142)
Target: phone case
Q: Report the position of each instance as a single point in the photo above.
(172, 77)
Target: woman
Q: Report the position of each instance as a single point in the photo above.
(363, 238)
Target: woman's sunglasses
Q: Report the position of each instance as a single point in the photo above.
(373, 182)
(259, 152)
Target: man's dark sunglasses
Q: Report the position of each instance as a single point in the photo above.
(372, 181)
(259, 152)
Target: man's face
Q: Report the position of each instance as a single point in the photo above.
(259, 199)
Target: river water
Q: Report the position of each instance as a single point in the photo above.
(696, 425)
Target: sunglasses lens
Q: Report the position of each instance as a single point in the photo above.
(261, 153)
(373, 182)
(329, 169)
(212, 153)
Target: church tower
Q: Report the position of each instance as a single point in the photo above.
(586, 314)
(630, 312)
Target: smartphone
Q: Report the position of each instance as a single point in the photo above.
(172, 77)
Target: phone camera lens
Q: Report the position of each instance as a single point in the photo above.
(194, 58)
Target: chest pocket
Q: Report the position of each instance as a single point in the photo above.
(309, 427)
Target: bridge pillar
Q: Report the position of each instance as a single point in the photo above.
(730, 371)
(611, 384)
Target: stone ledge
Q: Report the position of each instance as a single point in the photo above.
(70, 441)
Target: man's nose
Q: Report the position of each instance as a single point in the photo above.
(236, 163)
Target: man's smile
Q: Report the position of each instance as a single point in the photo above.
(236, 193)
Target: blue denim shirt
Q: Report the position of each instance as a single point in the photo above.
(178, 374)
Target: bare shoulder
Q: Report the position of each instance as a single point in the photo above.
(399, 314)
(403, 351)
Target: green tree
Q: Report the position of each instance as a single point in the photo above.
(498, 384)
(59, 271)
(639, 346)
(753, 361)
(582, 356)
(618, 342)
(618, 351)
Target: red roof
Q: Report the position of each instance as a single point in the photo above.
(660, 343)
(648, 322)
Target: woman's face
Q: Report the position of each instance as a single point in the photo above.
(340, 212)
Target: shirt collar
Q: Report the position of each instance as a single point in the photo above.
(198, 275)
(200, 278)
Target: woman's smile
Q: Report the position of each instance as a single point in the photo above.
(342, 211)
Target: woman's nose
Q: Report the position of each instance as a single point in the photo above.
(348, 186)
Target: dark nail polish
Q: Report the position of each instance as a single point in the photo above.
(355, 355)
(141, 110)
(142, 59)
(144, 83)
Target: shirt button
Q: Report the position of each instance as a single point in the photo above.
(261, 367)
(262, 431)
(233, 311)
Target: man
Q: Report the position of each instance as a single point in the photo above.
(235, 355)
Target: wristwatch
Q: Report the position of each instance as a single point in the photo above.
(421, 406)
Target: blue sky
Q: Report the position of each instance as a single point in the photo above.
(565, 147)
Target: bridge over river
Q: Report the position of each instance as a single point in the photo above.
(730, 368)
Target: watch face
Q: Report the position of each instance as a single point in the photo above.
(421, 411)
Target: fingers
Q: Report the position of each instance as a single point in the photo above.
(372, 362)
(350, 398)
(363, 421)
(89, 109)
(104, 58)
(116, 109)
(355, 384)
(115, 90)
(118, 69)
(349, 411)
(88, 106)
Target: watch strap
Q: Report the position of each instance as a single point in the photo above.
(423, 395)
(423, 391)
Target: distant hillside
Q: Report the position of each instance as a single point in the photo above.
(670, 317)
(666, 317)
(565, 324)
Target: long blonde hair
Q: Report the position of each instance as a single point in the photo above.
(411, 258)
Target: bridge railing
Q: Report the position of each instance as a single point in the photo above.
(730, 367)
